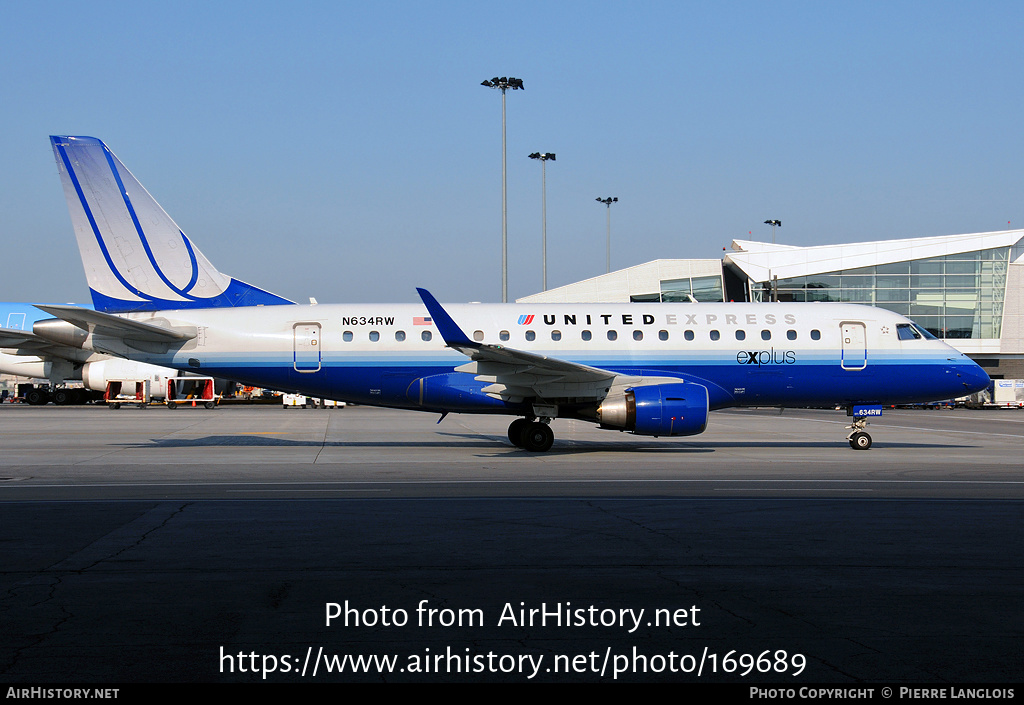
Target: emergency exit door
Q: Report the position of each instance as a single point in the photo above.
(307, 347)
(855, 350)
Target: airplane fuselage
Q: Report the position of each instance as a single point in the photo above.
(771, 354)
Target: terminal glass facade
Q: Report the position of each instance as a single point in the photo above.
(955, 296)
(704, 289)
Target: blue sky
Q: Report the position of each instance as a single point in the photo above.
(347, 151)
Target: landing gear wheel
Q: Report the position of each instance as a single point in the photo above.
(860, 441)
(515, 432)
(538, 437)
(62, 397)
(36, 397)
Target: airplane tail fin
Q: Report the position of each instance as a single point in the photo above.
(135, 257)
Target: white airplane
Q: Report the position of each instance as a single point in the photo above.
(650, 369)
(25, 354)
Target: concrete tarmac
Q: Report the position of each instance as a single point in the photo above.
(269, 452)
(194, 545)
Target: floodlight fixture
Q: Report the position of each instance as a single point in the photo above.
(504, 83)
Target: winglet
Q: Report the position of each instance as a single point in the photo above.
(449, 329)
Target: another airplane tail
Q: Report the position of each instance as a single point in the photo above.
(135, 257)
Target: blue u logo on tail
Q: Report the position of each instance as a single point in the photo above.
(136, 258)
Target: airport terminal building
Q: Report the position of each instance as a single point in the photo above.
(965, 289)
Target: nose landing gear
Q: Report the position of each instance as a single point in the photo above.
(859, 438)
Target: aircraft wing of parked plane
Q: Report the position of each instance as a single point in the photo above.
(26, 354)
(11, 338)
(105, 324)
(650, 369)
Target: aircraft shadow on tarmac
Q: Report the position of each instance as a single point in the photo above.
(269, 442)
(562, 447)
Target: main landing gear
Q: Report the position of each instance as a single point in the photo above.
(534, 436)
(859, 438)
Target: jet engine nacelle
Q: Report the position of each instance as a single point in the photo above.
(658, 410)
(95, 375)
(60, 332)
(33, 367)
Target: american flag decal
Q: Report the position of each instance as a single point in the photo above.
(422, 321)
(525, 319)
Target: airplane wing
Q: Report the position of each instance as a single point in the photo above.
(14, 338)
(111, 334)
(28, 343)
(109, 326)
(517, 374)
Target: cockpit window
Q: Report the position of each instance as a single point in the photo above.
(906, 331)
(924, 332)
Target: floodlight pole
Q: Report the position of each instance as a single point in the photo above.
(504, 84)
(608, 247)
(774, 224)
(544, 157)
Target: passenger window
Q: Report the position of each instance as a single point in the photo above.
(688, 335)
(503, 335)
(530, 335)
(556, 335)
(612, 335)
(815, 335)
(638, 335)
(741, 335)
(478, 335)
(791, 334)
(374, 336)
(399, 335)
(662, 335)
(347, 336)
(586, 335)
(426, 335)
(715, 335)
(766, 335)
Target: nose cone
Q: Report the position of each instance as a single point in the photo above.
(972, 377)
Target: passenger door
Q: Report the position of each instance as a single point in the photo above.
(855, 351)
(307, 347)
